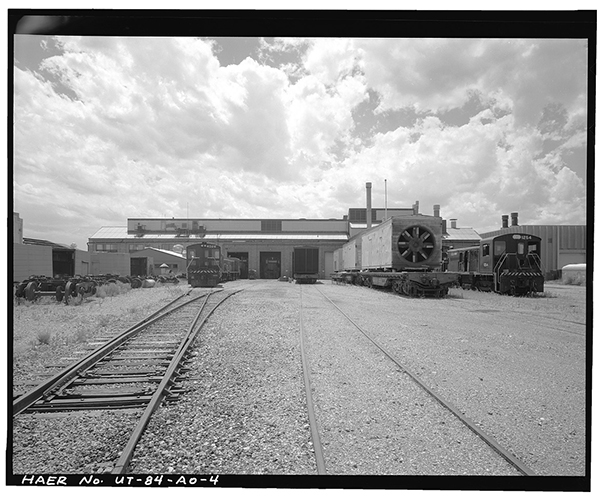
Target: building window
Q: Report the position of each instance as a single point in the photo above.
(134, 247)
(359, 215)
(106, 247)
(270, 225)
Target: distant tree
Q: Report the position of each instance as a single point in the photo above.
(73, 245)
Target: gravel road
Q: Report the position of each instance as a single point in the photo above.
(516, 366)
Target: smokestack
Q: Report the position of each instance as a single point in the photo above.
(416, 207)
(436, 210)
(369, 215)
(515, 218)
(444, 227)
(505, 221)
(453, 223)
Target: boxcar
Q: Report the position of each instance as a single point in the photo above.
(507, 264)
(306, 264)
(203, 264)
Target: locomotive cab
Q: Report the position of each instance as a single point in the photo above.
(514, 260)
(204, 265)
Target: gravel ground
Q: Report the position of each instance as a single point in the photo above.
(514, 365)
(374, 418)
(243, 412)
(500, 360)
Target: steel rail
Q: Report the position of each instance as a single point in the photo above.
(314, 430)
(488, 439)
(162, 391)
(26, 400)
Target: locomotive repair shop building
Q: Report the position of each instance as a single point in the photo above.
(263, 245)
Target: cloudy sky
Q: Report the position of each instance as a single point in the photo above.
(107, 128)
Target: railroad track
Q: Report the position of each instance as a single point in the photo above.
(137, 369)
(319, 452)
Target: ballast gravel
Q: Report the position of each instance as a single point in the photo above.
(516, 366)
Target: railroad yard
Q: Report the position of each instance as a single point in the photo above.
(474, 383)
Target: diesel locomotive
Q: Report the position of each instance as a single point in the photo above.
(403, 253)
(507, 264)
(207, 267)
(203, 264)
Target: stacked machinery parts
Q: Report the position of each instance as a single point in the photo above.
(68, 287)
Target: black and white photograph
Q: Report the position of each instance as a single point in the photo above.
(300, 249)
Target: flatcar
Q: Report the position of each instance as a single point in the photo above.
(507, 264)
(403, 253)
(203, 264)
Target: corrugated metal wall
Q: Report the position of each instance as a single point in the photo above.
(110, 263)
(30, 260)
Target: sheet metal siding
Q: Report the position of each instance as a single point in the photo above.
(573, 237)
(30, 260)
(338, 259)
(114, 263)
(306, 260)
(314, 225)
(239, 225)
(379, 245)
(351, 254)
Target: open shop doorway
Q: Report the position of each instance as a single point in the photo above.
(243, 257)
(270, 265)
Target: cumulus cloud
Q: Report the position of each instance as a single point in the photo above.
(109, 128)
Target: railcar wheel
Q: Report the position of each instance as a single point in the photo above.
(30, 290)
(60, 292)
(416, 244)
(136, 283)
(70, 291)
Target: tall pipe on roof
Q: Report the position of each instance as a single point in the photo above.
(436, 210)
(368, 205)
(385, 213)
(453, 223)
(505, 221)
(515, 218)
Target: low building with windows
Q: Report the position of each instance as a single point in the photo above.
(265, 246)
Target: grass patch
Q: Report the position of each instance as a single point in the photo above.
(576, 279)
(112, 289)
(43, 337)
